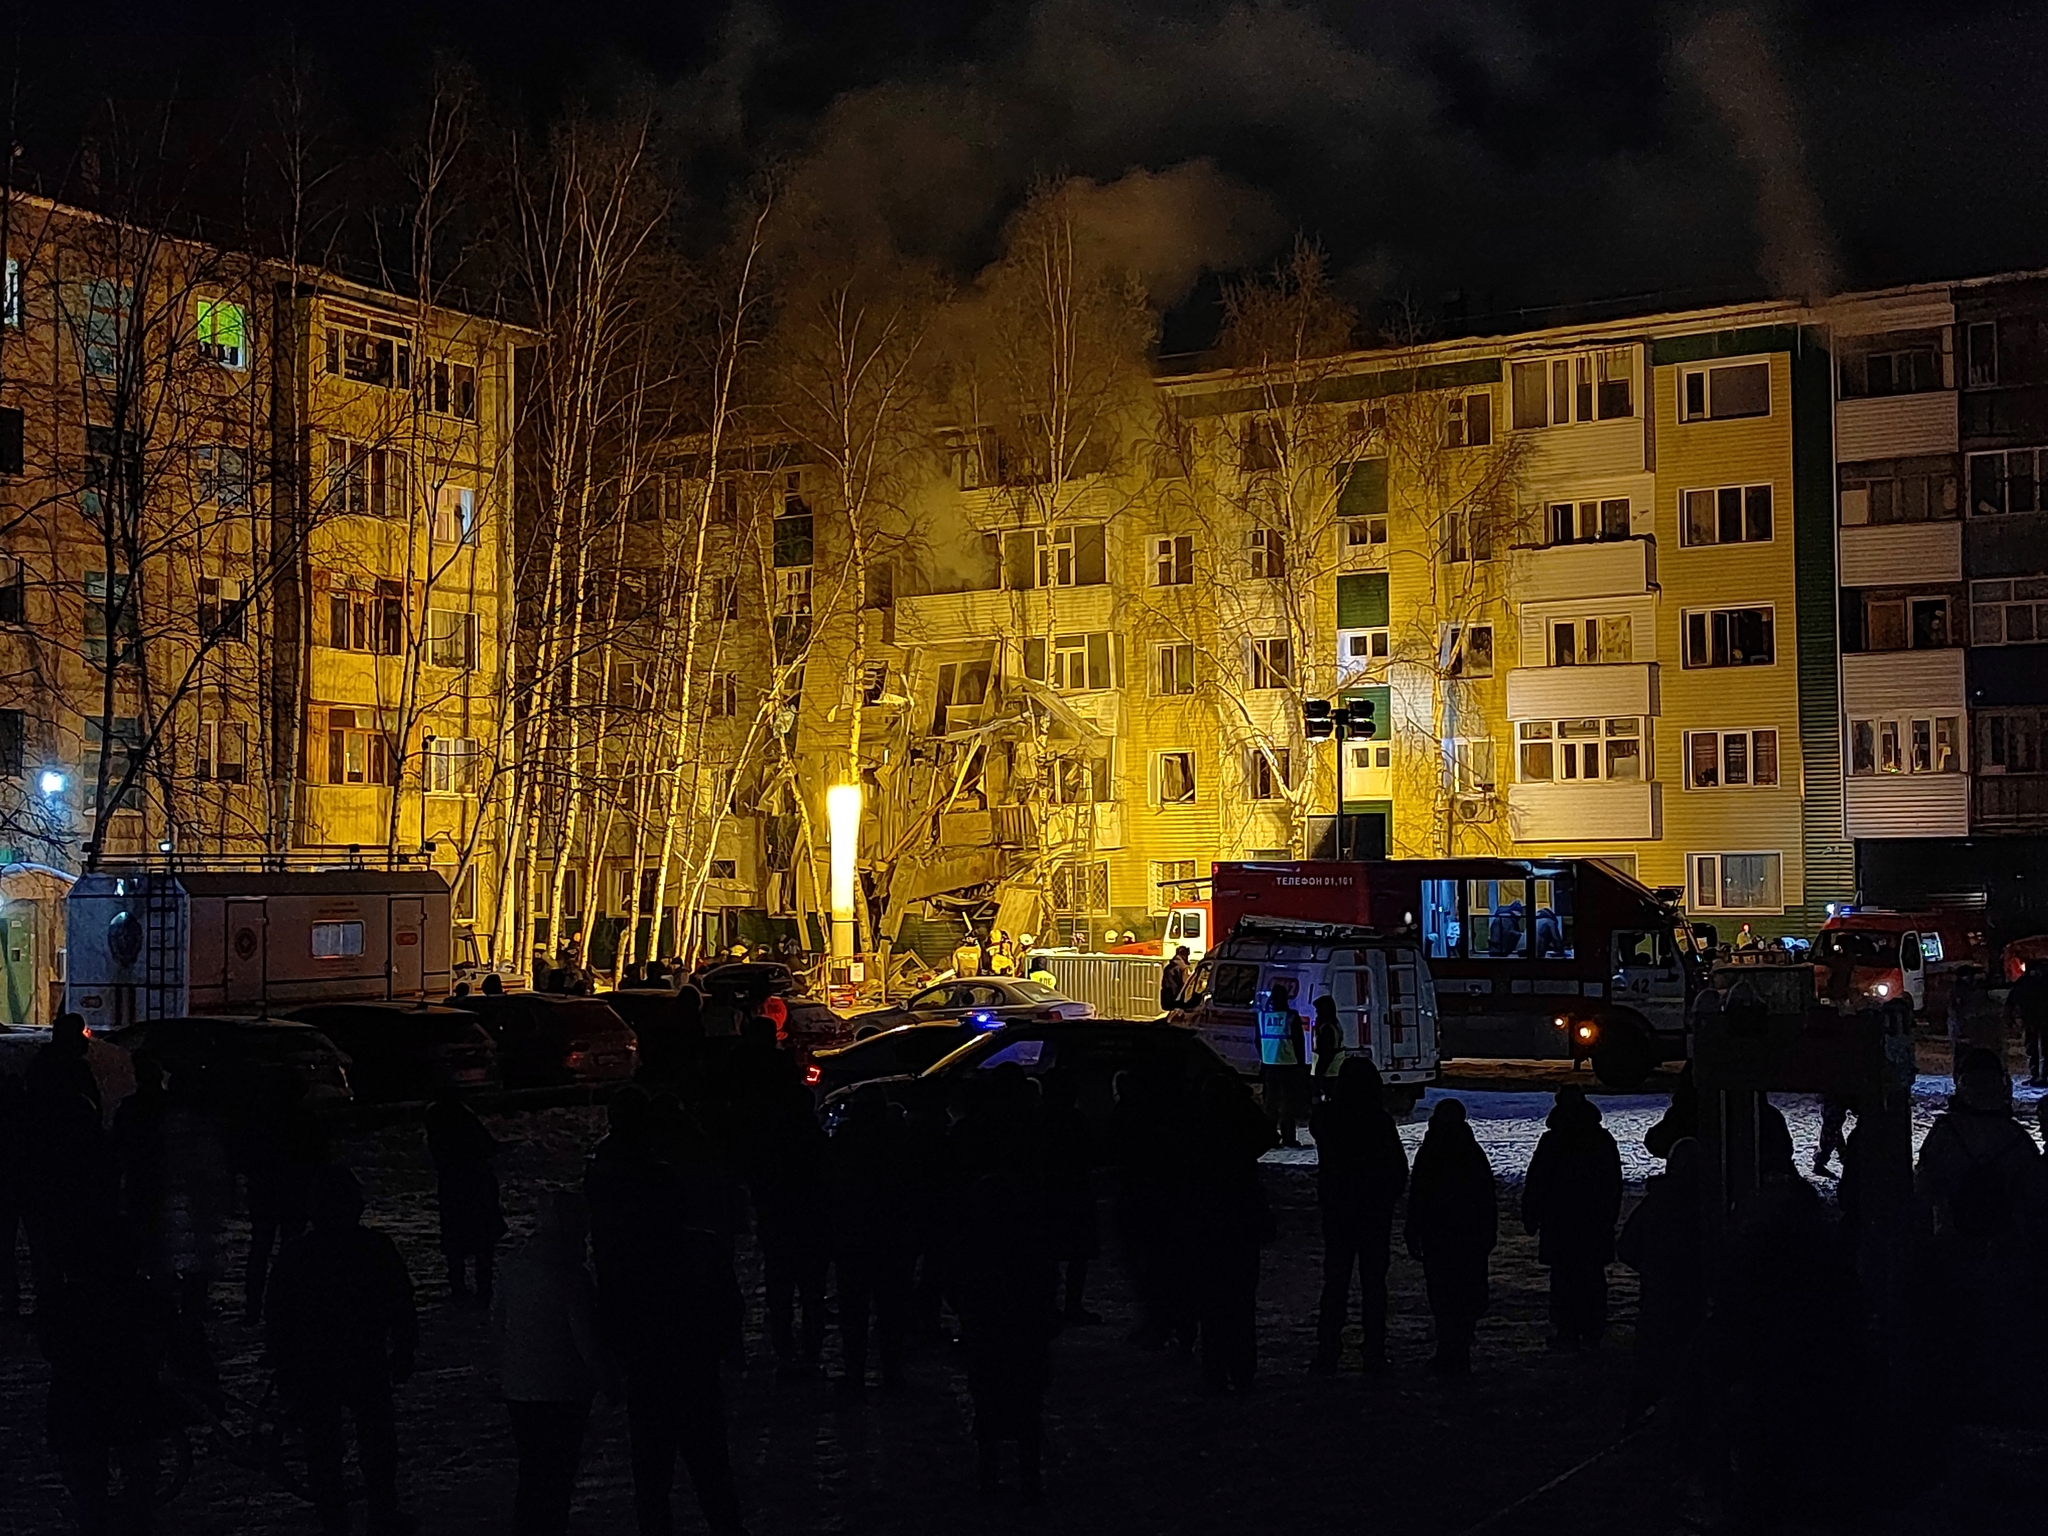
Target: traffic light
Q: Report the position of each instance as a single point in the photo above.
(1362, 723)
(1316, 721)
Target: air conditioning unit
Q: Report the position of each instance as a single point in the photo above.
(1474, 807)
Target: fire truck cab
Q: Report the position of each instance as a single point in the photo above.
(1868, 956)
(1386, 1003)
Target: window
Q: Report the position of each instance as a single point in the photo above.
(722, 598)
(1587, 522)
(357, 754)
(1499, 919)
(1605, 641)
(369, 351)
(13, 591)
(1731, 759)
(223, 751)
(1725, 392)
(455, 514)
(1731, 514)
(1173, 560)
(2011, 741)
(451, 391)
(1466, 650)
(1081, 889)
(1593, 386)
(1574, 751)
(104, 313)
(451, 639)
(221, 475)
(1737, 882)
(451, 765)
(1173, 670)
(1172, 880)
(365, 480)
(13, 444)
(368, 619)
(1272, 662)
(1905, 744)
(963, 686)
(1898, 491)
(223, 615)
(10, 296)
(1268, 775)
(1078, 663)
(1362, 647)
(1468, 421)
(1468, 765)
(465, 895)
(1362, 490)
(1267, 548)
(1891, 363)
(723, 699)
(337, 941)
(13, 743)
(1362, 532)
(1175, 776)
(793, 543)
(1083, 780)
(127, 737)
(1982, 372)
(113, 464)
(109, 608)
(222, 329)
(2009, 612)
(793, 590)
(1468, 534)
(2006, 482)
(1265, 444)
(1730, 637)
(1075, 555)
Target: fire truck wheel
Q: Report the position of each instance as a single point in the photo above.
(1622, 1058)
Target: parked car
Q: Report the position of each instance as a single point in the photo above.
(749, 982)
(226, 1061)
(1091, 1052)
(546, 1041)
(398, 1052)
(906, 1049)
(997, 999)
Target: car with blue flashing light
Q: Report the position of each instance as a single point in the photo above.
(1004, 999)
(905, 1050)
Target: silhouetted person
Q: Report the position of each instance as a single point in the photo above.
(552, 1359)
(1361, 1169)
(1228, 1221)
(1147, 1135)
(1069, 1153)
(104, 1334)
(342, 1334)
(466, 1185)
(62, 1065)
(14, 1158)
(494, 986)
(669, 1309)
(2026, 1004)
(176, 1191)
(868, 1178)
(461, 989)
(1661, 1243)
(1975, 1021)
(792, 1225)
(72, 1179)
(1329, 1043)
(1002, 1282)
(282, 1147)
(1175, 980)
(1682, 1118)
(1571, 1201)
(1453, 1221)
(1283, 1061)
(1834, 1115)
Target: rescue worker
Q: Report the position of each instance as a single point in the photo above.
(1453, 1223)
(967, 956)
(1329, 1042)
(1570, 1202)
(2027, 1005)
(1361, 1169)
(1283, 1060)
(1174, 980)
(1002, 958)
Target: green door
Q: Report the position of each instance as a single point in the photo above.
(18, 948)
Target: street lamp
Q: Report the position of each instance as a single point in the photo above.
(842, 815)
(52, 782)
(1320, 721)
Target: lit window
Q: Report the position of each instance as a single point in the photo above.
(222, 329)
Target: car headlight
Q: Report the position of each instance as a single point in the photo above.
(1882, 989)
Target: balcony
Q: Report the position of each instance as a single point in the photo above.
(1879, 682)
(2009, 802)
(1584, 813)
(1909, 805)
(1559, 693)
(1612, 568)
(1893, 426)
(1889, 554)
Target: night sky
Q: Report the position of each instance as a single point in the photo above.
(1462, 157)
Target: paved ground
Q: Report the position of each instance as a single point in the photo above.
(1135, 1447)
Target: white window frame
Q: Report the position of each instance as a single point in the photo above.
(792, 590)
(1704, 373)
(1572, 746)
(1587, 638)
(1702, 902)
(1269, 663)
(1710, 665)
(1458, 420)
(1749, 735)
(455, 517)
(1173, 560)
(1742, 494)
(1365, 532)
(452, 639)
(1573, 380)
(1463, 756)
(1193, 774)
(2005, 455)
(1907, 729)
(1177, 649)
(1451, 649)
(1370, 756)
(1091, 876)
(337, 941)
(1263, 782)
(452, 765)
(1993, 602)
(1363, 649)
(215, 737)
(1176, 872)
(1266, 553)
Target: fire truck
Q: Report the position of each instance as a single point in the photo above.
(1531, 958)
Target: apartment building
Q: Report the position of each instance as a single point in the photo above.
(254, 593)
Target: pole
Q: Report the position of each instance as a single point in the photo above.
(1340, 783)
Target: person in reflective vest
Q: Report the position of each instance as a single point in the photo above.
(1283, 1061)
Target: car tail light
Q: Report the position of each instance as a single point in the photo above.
(1049, 1015)
(814, 1075)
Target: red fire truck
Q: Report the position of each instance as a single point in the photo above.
(1532, 958)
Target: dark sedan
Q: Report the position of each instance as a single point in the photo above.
(987, 999)
(398, 1053)
(906, 1049)
(545, 1041)
(228, 1063)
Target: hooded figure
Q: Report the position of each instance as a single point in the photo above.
(1571, 1201)
(1453, 1222)
(1361, 1169)
(1661, 1243)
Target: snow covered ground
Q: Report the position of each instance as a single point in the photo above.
(1508, 1123)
